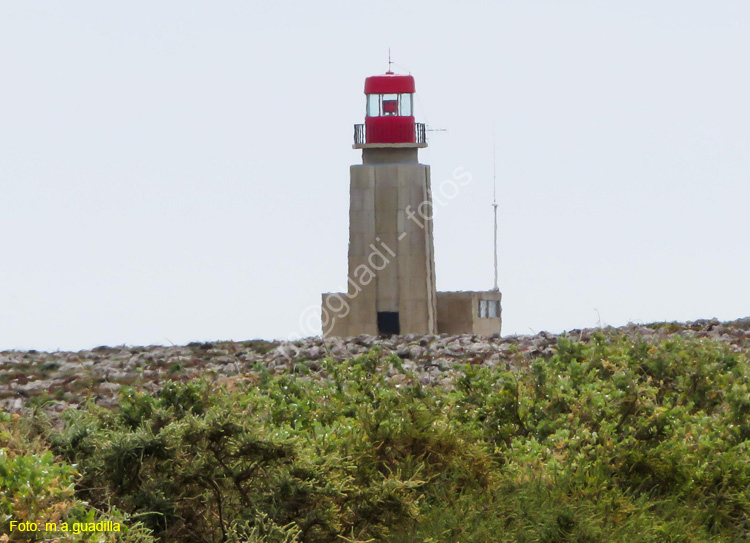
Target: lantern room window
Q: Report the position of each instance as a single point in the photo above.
(373, 105)
(406, 105)
(390, 104)
(400, 105)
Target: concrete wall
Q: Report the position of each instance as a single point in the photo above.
(388, 239)
(384, 155)
(391, 255)
(455, 315)
(458, 313)
(342, 314)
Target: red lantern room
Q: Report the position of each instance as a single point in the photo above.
(389, 118)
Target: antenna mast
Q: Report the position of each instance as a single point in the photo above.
(390, 62)
(494, 202)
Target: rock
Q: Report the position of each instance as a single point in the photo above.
(416, 352)
(432, 360)
(314, 353)
(109, 387)
(409, 366)
(403, 350)
(340, 353)
(478, 347)
(398, 379)
(224, 359)
(365, 340)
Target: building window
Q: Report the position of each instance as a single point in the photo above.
(489, 309)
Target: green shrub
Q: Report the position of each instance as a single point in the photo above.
(613, 440)
(38, 488)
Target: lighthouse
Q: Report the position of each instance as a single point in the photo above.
(390, 286)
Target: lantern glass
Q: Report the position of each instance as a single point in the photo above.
(373, 105)
(406, 105)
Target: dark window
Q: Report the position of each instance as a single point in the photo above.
(388, 323)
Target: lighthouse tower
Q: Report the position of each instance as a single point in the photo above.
(391, 275)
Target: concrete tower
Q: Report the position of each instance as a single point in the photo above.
(391, 279)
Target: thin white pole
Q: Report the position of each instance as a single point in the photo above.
(494, 201)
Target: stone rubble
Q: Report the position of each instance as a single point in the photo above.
(59, 380)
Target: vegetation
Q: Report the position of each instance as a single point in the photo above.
(609, 441)
(37, 488)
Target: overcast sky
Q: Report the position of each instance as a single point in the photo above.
(178, 171)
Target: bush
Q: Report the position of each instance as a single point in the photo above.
(614, 440)
(36, 487)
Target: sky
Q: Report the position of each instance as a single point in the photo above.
(178, 171)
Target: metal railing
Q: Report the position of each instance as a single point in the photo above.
(359, 134)
(421, 132)
(397, 133)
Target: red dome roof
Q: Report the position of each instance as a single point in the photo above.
(389, 83)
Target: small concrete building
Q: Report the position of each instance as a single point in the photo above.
(391, 278)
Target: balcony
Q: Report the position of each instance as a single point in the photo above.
(389, 135)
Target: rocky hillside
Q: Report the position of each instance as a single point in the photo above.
(58, 380)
